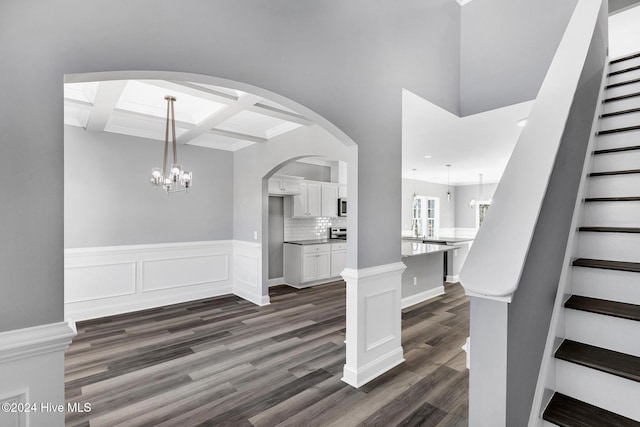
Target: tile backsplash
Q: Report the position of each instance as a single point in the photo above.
(310, 228)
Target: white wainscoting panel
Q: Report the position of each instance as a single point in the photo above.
(184, 271)
(373, 335)
(380, 329)
(247, 272)
(87, 282)
(117, 279)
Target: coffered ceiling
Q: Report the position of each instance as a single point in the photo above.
(206, 115)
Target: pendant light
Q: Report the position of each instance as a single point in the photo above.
(174, 179)
(448, 183)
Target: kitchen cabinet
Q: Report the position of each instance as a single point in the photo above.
(305, 265)
(338, 258)
(329, 200)
(309, 202)
(284, 185)
(315, 199)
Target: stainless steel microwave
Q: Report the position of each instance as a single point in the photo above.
(342, 206)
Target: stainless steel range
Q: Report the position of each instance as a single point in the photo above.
(338, 233)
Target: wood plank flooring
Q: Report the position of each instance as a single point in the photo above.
(226, 362)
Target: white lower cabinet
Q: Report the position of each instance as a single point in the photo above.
(306, 265)
(338, 258)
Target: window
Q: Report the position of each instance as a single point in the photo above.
(425, 216)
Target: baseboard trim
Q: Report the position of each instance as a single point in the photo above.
(422, 296)
(251, 297)
(453, 279)
(34, 341)
(276, 281)
(359, 377)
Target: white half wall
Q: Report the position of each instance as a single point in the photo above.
(117, 279)
(32, 372)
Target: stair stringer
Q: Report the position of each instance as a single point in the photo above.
(547, 374)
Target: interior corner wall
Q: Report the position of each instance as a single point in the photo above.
(506, 47)
(109, 200)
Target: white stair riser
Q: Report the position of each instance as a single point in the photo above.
(615, 185)
(604, 331)
(620, 105)
(614, 285)
(612, 214)
(610, 246)
(606, 391)
(627, 63)
(615, 140)
(621, 160)
(619, 121)
(622, 90)
(623, 77)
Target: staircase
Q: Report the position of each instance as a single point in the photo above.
(597, 364)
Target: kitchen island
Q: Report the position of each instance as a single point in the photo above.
(424, 275)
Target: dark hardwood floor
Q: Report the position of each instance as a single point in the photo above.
(226, 362)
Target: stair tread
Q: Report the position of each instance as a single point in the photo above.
(613, 199)
(609, 361)
(610, 229)
(607, 264)
(566, 411)
(625, 70)
(600, 306)
(626, 82)
(616, 130)
(621, 172)
(625, 58)
(618, 149)
(619, 113)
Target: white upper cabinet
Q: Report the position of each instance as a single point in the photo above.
(285, 185)
(330, 200)
(315, 199)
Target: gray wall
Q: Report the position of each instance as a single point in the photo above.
(621, 5)
(276, 237)
(465, 215)
(530, 311)
(110, 201)
(307, 171)
(346, 62)
(506, 49)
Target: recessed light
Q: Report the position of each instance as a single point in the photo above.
(427, 157)
(522, 122)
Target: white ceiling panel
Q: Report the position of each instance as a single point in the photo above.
(252, 123)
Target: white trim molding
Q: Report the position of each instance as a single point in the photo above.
(373, 322)
(36, 340)
(31, 368)
(422, 296)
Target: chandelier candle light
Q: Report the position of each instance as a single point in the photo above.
(174, 179)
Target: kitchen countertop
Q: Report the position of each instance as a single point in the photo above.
(315, 242)
(440, 239)
(417, 248)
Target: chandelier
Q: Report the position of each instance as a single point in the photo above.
(174, 179)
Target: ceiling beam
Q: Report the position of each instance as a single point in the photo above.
(107, 97)
(219, 117)
(277, 113)
(237, 135)
(225, 98)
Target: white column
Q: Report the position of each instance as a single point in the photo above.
(373, 322)
(32, 375)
